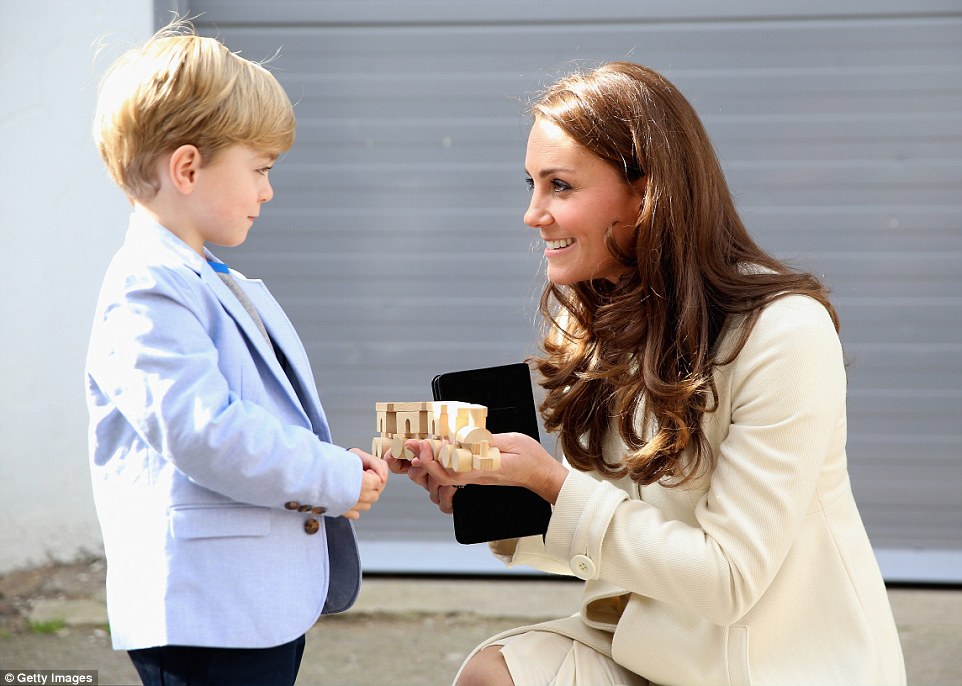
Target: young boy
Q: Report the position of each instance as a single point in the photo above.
(224, 505)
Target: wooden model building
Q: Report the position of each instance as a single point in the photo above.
(456, 430)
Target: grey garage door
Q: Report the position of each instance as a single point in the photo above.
(395, 238)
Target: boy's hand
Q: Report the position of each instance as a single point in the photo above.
(373, 481)
(372, 463)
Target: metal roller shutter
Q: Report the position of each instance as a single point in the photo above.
(395, 239)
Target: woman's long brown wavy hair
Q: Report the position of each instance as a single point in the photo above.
(651, 340)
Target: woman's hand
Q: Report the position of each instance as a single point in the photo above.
(442, 496)
(523, 463)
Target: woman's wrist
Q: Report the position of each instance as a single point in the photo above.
(548, 483)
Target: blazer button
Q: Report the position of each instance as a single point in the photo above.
(319, 510)
(304, 508)
(292, 505)
(311, 526)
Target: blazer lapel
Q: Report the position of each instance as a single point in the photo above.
(285, 337)
(236, 310)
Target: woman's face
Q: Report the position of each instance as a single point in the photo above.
(575, 197)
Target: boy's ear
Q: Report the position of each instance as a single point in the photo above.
(182, 167)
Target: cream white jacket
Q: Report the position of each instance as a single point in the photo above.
(760, 574)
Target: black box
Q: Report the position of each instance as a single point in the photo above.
(493, 513)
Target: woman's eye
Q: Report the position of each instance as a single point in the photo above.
(529, 182)
(560, 185)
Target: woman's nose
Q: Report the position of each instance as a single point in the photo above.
(536, 215)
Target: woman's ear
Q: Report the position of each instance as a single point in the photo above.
(640, 185)
(182, 168)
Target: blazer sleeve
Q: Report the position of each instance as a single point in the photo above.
(153, 356)
(787, 402)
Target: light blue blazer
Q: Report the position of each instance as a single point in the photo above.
(199, 443)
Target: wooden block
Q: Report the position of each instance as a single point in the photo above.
(455, 458)
(414, 418)
(403, 407)
(385, 422)
(484, 464)
(477, 415)
(488, 461)
(440, 424)
(443, 454)
(458, 415)
(380, 445)
(461, 460)
(468, 435)
(412, 422)
(399, 451)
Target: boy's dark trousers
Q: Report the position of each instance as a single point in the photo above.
(191, 666)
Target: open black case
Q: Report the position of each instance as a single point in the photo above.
(493, 513)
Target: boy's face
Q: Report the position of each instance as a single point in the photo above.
(228, 196)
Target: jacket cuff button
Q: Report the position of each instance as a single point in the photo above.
(304, 508)
(583, 567)
(319, 510)
(311, 526)
(292, 505)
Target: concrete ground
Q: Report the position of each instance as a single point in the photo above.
(401, 632)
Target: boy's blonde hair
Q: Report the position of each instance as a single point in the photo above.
(178, 89)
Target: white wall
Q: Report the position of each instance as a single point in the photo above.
(60, 221)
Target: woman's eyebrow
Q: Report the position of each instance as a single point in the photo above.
(553, 170)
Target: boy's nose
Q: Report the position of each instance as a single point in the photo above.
(267, 192)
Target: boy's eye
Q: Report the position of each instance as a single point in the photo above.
(264, 170)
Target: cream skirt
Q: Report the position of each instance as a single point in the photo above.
(543, 655)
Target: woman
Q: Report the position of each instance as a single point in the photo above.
(697, 387)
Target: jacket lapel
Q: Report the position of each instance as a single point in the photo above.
(269, 317)
(285, 337)
(236, 310)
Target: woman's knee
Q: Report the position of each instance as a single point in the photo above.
(486, 668)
